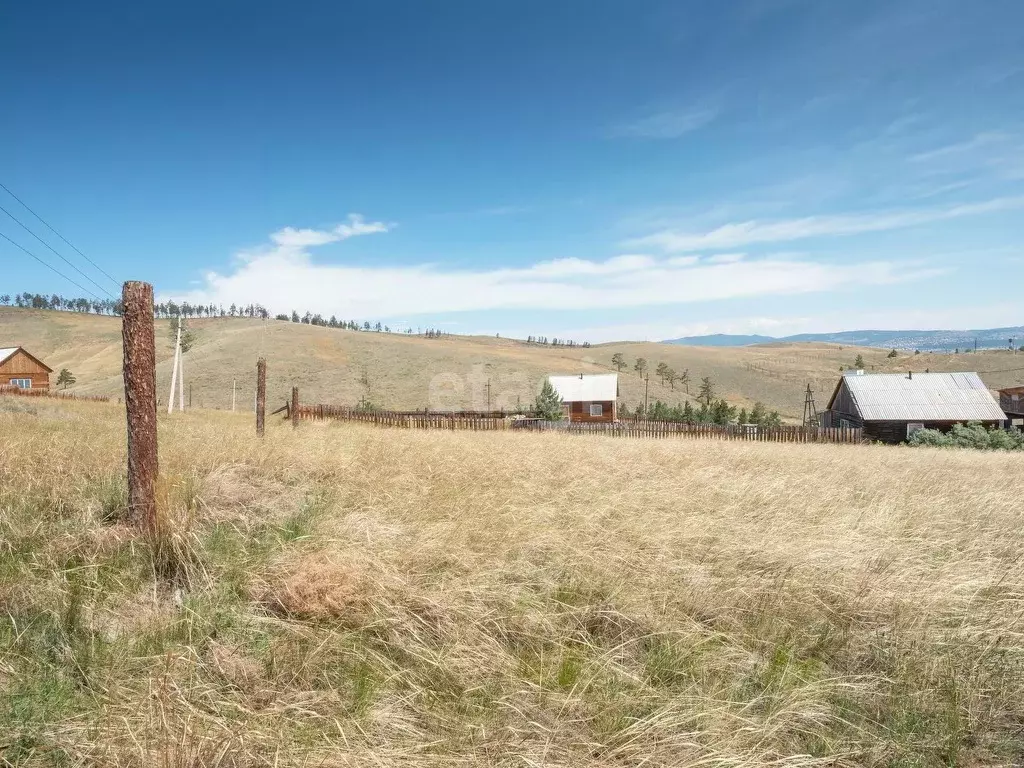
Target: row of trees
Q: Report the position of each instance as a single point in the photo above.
(665, 373)
(172, 309)
(716, 412)
(556, 342)
(67, 304)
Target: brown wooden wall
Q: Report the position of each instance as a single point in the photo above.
(22, 366)
(580, 411)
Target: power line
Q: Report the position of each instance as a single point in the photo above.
(58, 234)
(57, 253)
(49, 267)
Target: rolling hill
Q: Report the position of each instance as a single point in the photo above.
(926, 341)
(409, 372)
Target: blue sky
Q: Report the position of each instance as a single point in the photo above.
(587, 169)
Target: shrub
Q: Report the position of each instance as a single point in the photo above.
(931, 437)
(971, 435)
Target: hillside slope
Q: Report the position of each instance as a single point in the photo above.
(407, 372)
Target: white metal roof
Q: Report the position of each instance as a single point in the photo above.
(586, 387)
(922, 397)
(6, 352)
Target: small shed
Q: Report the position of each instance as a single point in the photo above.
(20, 369)
(1011, 400)
(892, 406)
(588, 397)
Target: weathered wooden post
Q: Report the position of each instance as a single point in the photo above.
(261, 395)
(295, 407)
(140, 401)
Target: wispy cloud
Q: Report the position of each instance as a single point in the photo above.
(670, 124)
(283, 276)
(354, 226)
(979, 141)
(740, 234)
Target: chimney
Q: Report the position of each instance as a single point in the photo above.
(910, 374)
(581, 375)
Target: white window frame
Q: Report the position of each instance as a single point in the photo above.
(913, 427)
(599, 407)
(22, 383)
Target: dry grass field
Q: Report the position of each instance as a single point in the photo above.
(409, 372)
(343, 596)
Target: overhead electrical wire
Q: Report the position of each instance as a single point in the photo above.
(50, 266)
(58, 234)
(55, 251)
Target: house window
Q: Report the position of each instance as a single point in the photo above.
(913, 428)
(596, 409)
(22, 383)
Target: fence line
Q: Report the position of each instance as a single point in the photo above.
(6, 389)
(629, 428)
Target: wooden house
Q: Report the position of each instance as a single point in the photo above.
(588, 397)
(18, 368)
(1011, 400)
(892, 406)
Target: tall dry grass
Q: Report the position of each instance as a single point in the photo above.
(338, 595)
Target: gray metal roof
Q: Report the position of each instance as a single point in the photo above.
(586, 387)
(922, 397)
(6, 352)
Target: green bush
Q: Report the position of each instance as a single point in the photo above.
(971, 435)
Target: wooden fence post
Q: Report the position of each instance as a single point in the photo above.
(261, 396)
(140, 401)
(295, 407)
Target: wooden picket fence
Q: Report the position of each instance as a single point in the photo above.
(467, 420)
(631, 428)
(664, 429)
(6, 389)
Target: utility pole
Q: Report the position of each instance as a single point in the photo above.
(233, 383)
(488, 395)
(190, 395)
(647, 383)
(181, 375)
(174, 371)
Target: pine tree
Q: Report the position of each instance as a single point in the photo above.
(661, 372)
(706, 395)
(66, 378)
(640, 366)
(859, 362)
(188, 336)
(618, 361)
(549, 403)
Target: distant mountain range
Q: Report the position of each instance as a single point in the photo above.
(935, 341)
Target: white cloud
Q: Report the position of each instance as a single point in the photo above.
(291, 238)
(284, 277)
(739, 234)
(666, 125)
(726, 258)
